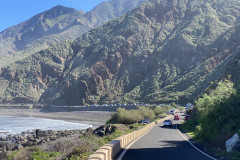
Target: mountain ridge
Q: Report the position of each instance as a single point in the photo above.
(160, 52)
(51, 27)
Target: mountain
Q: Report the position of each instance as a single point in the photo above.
(54, 26)
(159, 52)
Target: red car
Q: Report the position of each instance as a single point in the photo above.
(176, 117)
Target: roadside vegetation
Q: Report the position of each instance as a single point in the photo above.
(70, 148)
(124, 116)
(216, 117)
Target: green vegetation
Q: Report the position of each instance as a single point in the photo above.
(12, 155)
(43, 155)
(216, 116)
(124, 116)
(134, 58)
(74, 148)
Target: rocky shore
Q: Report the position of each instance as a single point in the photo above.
(39, 137)
(34, 138)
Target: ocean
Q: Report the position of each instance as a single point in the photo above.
(16, 125)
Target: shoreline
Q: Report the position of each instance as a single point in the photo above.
(94, 118)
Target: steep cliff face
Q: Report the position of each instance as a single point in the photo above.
(161, 51)
(54, 26)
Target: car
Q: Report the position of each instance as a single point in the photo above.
(167, 123)
(171, 111)
(176, 117)
(145, 120)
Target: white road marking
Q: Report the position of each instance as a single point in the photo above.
(193, 145)
(128, 146)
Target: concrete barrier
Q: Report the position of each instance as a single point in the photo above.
(110, 150)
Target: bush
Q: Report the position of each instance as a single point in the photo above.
(234, 155)
(218, 113)
(43, 155)
(189, 126)
(146, 112)
(161, 110)
(124, 116)
(61, 149)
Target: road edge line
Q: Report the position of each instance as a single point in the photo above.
(129, 145)
(193, 144)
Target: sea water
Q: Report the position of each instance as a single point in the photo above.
(16, 125)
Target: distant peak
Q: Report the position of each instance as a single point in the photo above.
(61, 7)
(57, 11)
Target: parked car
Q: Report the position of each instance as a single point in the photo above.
(146, 121)
(176, 117)
(167, 123)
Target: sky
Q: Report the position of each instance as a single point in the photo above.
(13, 12)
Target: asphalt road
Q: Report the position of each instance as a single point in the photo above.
(163, 144)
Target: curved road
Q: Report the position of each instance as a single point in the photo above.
(163, 144)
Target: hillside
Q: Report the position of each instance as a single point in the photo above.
(54, 26)
(162, 51)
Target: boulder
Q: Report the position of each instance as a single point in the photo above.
(3, 139)
(2, 155)
(10, 146)
(19, 146)
(233, 144)
(2, 144)
(109, 129)
(100, 131)
(89, 131)
(29, 143)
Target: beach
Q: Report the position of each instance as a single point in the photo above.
(95, 118)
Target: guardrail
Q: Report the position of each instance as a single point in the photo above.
(110, 150)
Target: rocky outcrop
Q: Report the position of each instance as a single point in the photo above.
(108, 129)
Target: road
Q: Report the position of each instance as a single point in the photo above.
(163, 144)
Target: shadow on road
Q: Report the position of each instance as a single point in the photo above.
(167, 150)
(173, 127)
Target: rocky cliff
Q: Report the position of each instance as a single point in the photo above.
(162, 51)
(54, 26)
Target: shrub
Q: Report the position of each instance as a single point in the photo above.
(43, 155)
(218, 113)
(125, 116)
(12, 155)
(161, 110)
(24, 154)
(144, 111)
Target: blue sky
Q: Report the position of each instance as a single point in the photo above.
(13, 12)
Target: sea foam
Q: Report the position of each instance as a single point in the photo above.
(16, 125)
